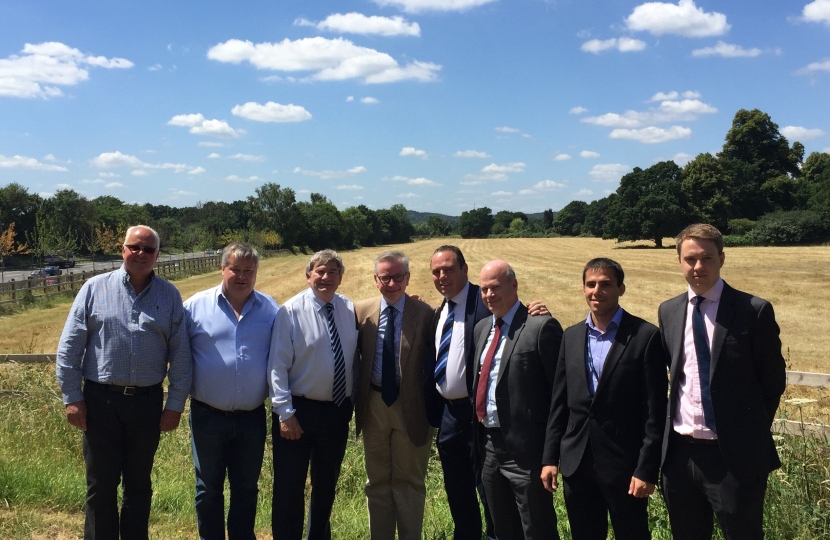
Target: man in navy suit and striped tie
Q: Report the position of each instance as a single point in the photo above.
(310, 375)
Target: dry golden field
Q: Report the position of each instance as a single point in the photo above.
(795, 279)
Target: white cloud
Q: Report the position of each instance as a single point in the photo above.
(583, 194)
(271, 112)
(40, 69)
(24, 162)
(501, 193)
(49, 157)
(329, 174)
(237, 179)
(408, 196)
(798, 133)
(414, 181)
(817, 11)
(548, 185)
(577, 110)
(471, 154)
(113, 185)
(682, 19)
(419, 6)
(349, 99)
(154, 67)
(63, 186)
(92, 181)
(821, 65)
(629, 119)
(108, 175)
(493, 173)
(588, 154)
(561, 157)
(139, 172)
(247, 157)
(410, 151)
(688, 94)
(197, 170)
(368, 100)
(357, 23)
(213, 155)
(726, 50)
(211, 144)
(350, 187)
(46, 194)
(623, 44)
(177, 193)
(667, 111)
(506, 129)
(652, 134)
(199, 125)
(608, 172)
(109, 160)
(330, 60)
(682, 158)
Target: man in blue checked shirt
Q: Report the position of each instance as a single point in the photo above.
(124, 334)
(310, 373)
(229, 327)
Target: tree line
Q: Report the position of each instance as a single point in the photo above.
(758, 189)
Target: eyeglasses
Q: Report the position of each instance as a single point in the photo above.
(386, 279)
(134, 248)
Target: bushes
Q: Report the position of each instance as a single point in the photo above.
(786, 228)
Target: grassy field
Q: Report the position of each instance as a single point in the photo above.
(41, 469)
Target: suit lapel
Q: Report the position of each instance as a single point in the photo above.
(513, 333)
(726, 311)
(408, 327)
(615, 353)
(371, 340)
(676, 322)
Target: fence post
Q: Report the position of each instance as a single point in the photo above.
(14, 289)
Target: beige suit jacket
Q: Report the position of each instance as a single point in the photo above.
(416, 345)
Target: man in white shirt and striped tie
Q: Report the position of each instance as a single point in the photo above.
(310, 375)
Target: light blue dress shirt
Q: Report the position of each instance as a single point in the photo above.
(377, 364)
(230, 355)
(491, 420)
(113, 336)
(599, 344)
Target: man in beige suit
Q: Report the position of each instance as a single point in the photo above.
(394, 340)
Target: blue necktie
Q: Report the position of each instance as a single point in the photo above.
(338, 388)
(389, 379)
(444, 347)
(704, 361)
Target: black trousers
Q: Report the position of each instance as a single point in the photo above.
(462, 476)
(697, 484)
(119, 444)
(323, 445)
(590, 500)
(521, 507)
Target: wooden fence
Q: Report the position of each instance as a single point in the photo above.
(780, 425)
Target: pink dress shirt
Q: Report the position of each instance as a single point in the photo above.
(688, 417)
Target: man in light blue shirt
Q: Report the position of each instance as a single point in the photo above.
(229, 327)
(310, 375)
(125, 332)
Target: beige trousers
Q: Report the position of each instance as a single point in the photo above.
(396, 471)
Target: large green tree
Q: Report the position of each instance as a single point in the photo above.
(650, 205)
(597, 214)
(706, 187)
(476, 223)
(275, 209)
(569, 220)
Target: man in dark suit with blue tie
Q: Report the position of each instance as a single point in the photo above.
(727, 376)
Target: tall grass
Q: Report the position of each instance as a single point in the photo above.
(42, 478)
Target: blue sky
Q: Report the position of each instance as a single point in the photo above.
(440, 105)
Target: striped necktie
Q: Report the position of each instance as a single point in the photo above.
(444, 347)
(338, 387)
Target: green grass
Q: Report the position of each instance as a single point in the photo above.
(42, 478)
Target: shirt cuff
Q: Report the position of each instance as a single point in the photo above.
(284, 411)
(175, 402)
(73, 396)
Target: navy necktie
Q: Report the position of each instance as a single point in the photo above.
(704, 361)
(338, 388)
(389, 379)
(444, 347)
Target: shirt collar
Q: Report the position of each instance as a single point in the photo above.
(398, 305)
(712, 294)
(461, 297)
(318, 304)
(613, 323)
(220, 293)
(124, 277)
(508, 317)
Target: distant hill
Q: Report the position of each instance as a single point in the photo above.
(421, 217)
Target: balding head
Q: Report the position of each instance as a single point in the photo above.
(499, 287)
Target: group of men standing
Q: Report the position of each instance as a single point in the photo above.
(515, 400)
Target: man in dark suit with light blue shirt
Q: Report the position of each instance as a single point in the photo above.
(727, 376)
(607, 413)
(229, 327)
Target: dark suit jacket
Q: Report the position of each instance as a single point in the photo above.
(524, 383)
(416, 346)
(747, 377)
(624, 421)
(474, 311)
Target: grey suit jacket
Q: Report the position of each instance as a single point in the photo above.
(747, 377)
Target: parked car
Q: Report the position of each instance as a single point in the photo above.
(209, 252)
(46, 271)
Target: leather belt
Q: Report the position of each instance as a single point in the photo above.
(458, 402)
(377, 387)
(124, 390)
(240, 412)
(698, 442)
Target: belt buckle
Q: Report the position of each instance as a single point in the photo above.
(129, 390)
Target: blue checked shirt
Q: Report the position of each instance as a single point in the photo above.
(113, 336)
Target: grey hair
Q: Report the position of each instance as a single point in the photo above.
(510, 274)
(239, 250)
(393, 256)
(322, 257)
(152, 230)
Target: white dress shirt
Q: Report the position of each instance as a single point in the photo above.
(301, 362)
(455, 382)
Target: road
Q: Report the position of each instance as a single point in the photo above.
(86, 266)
